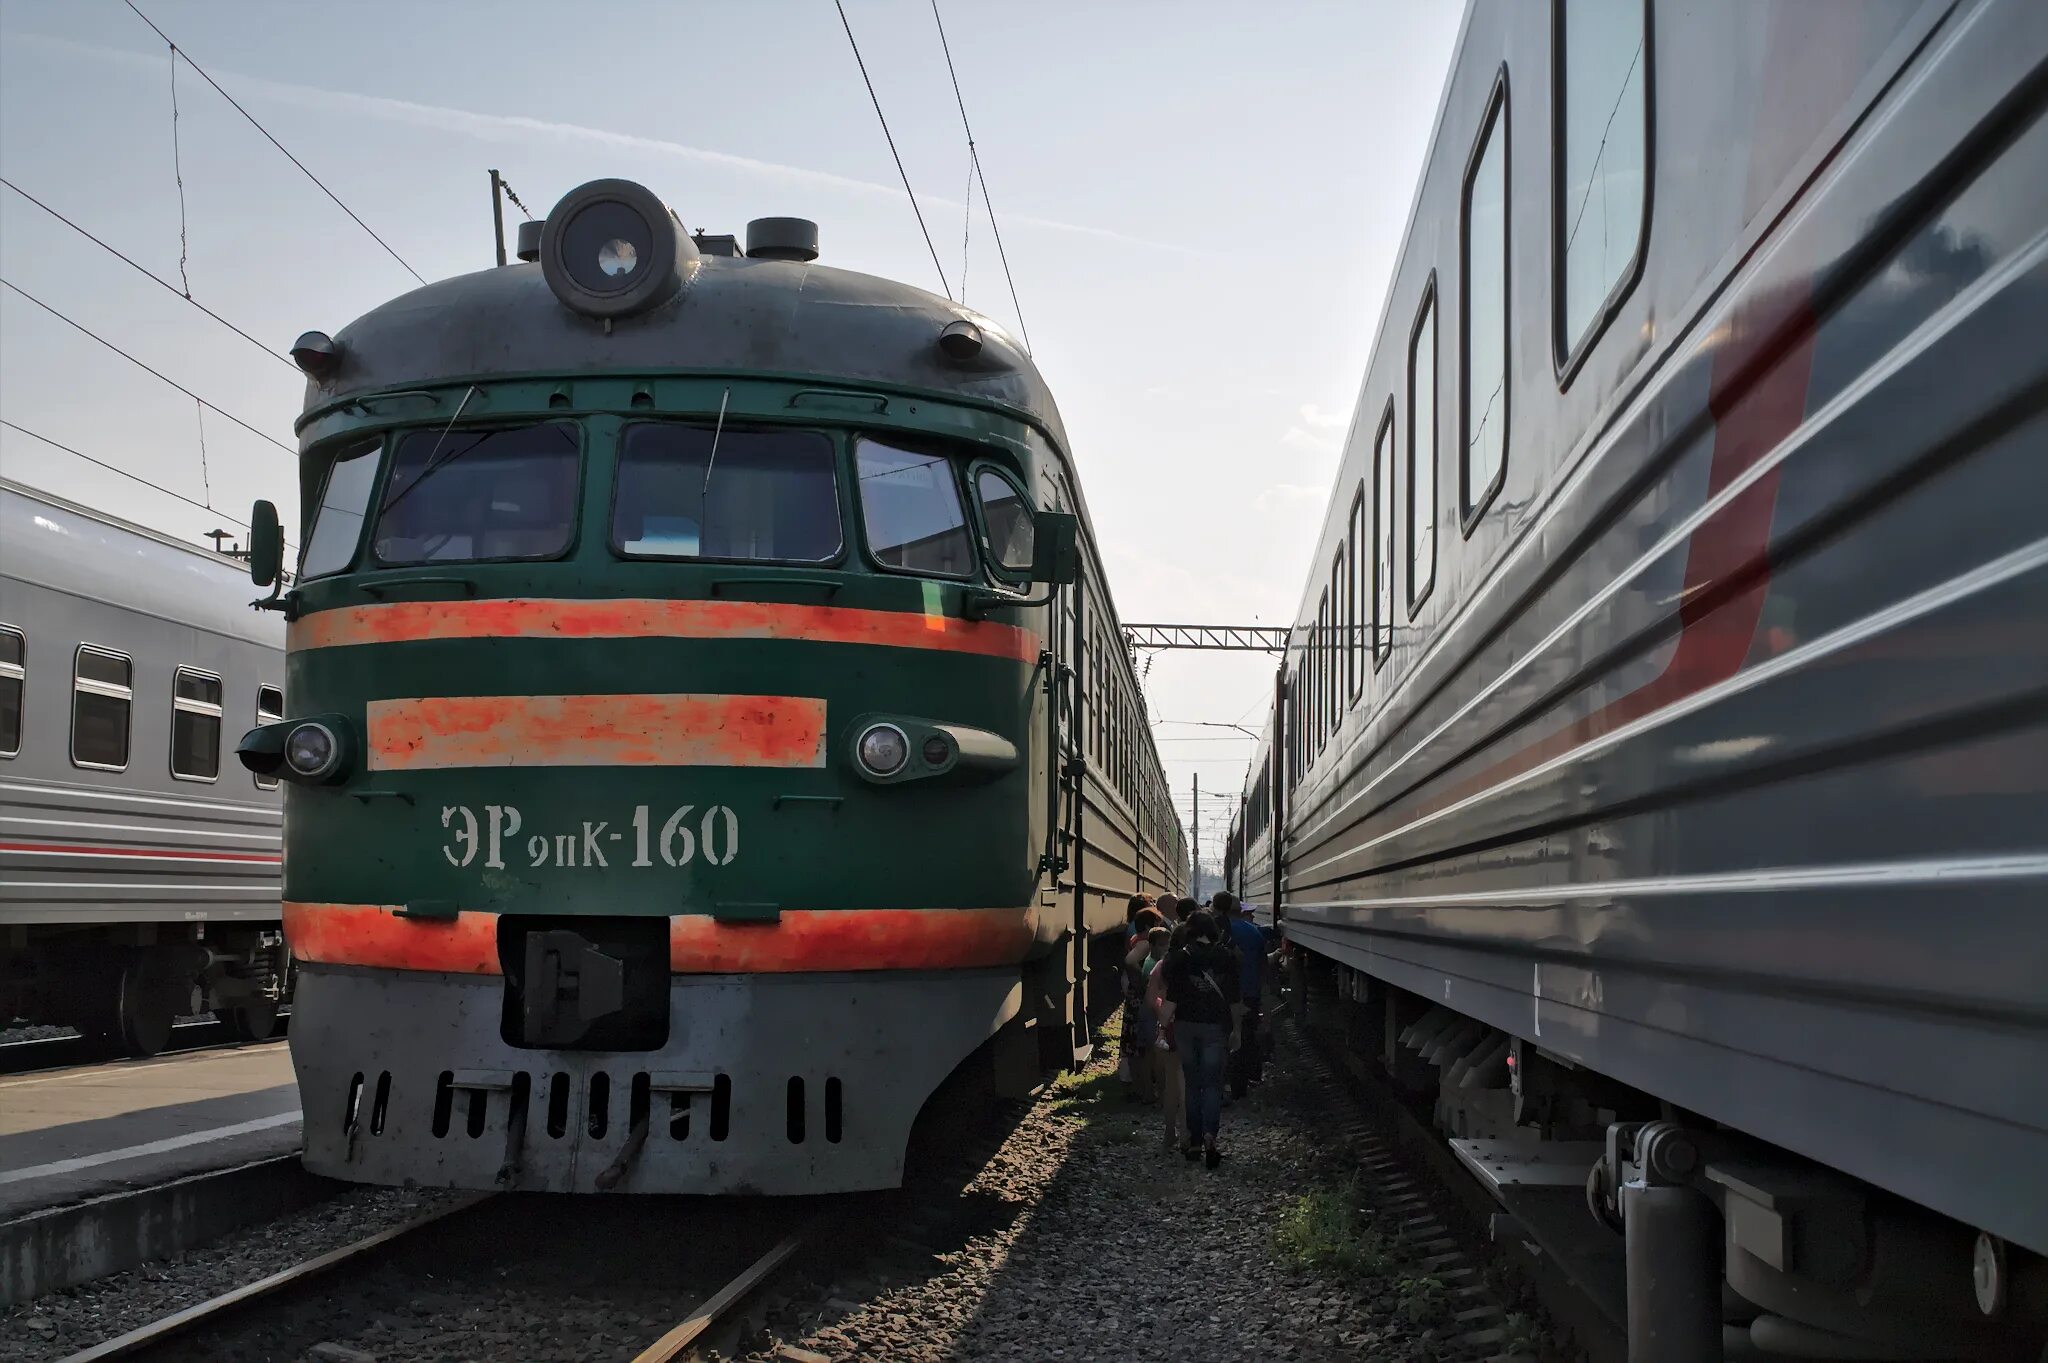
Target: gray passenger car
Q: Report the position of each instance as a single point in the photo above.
(1662, 781)
(138, 869)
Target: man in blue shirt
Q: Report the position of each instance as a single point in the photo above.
(1247, 1062)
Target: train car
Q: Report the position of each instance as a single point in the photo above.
(138, 879)
(706, 728)
(1664, 756)
(1248, 866)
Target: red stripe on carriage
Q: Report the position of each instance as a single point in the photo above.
(400, 622)
(1758, 398)
(75, 849)
(800, 941)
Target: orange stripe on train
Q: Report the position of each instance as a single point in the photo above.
(434, 732)
(802, 941)
(399, 622)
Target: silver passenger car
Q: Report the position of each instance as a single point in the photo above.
(138, 869)
(1662, 784)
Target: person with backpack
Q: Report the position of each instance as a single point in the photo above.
(1203, 1009)
(1247, 1062)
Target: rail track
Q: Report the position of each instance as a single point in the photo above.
(518, 1275)
(618, 1284)
(1435, 1216)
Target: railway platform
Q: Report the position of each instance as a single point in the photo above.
(71, 1135)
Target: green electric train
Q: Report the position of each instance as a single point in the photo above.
(709, 726)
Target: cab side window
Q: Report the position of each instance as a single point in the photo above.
(344, 503)
(1006, 517)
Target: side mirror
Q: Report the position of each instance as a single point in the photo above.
(266, 545)
(1056, 547)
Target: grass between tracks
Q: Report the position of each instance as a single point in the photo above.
(1329, 1230)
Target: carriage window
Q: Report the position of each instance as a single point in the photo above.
(1383, 540)
(1322, 665)
(1483, 381)
(910, 506)
(1006, 515)
(1333, 643)
(466, 495)
(695, 492)
(269, 710)
(102, 694)
(13, 683)
(1602, 157)
(195, 725)
(1422, 455)
(1361, 589)
(338, 524)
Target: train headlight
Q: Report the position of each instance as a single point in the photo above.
(883, 749)
(611, 249)
(312, 751)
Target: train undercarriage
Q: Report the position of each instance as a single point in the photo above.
(1706, 1243)
(129, 983)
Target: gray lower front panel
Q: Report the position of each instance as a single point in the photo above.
(386, 1059)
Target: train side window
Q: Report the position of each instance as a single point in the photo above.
(1422, 453)
(13, 688)
(1383, 539)
(1323, 670)
(1008, 532)
(269, 710)
(695, 492)
(1361, 594)
(195, 725)
(1600, 58)
(1333, 643)
(911, 509)
(344, 503)
(502, 493)
(102, 696)
(1483, 381)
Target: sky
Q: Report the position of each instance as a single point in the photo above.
(1201, 204)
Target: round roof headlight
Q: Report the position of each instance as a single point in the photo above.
(611, 249)
(312, 751)
(883, 750)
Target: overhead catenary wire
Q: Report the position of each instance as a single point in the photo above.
(974, 163)
(148, 273)
(131, 477)
(205, 473)
(178, 173)
(178, 52)
(87, 331)
(890, 137)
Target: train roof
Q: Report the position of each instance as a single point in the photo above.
(734, 314)
(52, 542)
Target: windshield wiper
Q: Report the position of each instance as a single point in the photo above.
(434, 464)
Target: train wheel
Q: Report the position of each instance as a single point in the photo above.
(145, 1006)
(250, 1021)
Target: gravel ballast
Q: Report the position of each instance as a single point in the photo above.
(1095, 1241)
(1066, 1231)
(63, 1323)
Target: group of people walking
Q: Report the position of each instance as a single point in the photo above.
(1194, 979)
